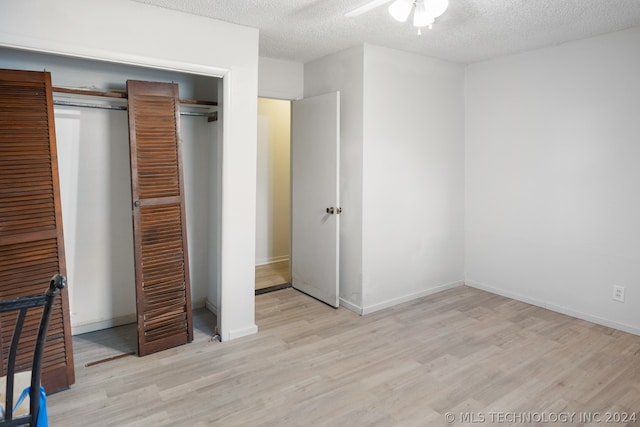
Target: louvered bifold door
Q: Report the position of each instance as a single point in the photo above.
(31, 240)
(163, 296)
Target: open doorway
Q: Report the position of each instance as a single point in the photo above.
(298, 197)
(273, 204)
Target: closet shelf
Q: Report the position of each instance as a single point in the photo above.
(89, 92)
(211, 113)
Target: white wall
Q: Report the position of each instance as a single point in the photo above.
(113, 31)
(273, 222)
(413, 179)
(280, 79)
(343, 72)
(402, 173)
(552, 177)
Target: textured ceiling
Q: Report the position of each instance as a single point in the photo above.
(471, 30)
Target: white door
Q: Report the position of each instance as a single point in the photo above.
(315, 198)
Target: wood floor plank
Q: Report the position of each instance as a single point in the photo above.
(461, 351)
(272, 274)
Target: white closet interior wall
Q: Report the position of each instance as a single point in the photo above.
(93, 152)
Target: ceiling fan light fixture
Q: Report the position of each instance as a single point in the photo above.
(401, 9)
(437, 7)
(421, 18)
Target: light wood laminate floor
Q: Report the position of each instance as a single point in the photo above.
(273, 274)
(459, 351)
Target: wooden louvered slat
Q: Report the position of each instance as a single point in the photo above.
(31, 242)
(35, 262)
(163, 273)
(163, 296)
(157, 152)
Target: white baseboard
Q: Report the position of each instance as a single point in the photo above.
(553, 307)
(395, 301)
(239, 333)
(272, 260)
(198, 303)
(231, 335)
(102, 324)
(211, 306)
(350, 306)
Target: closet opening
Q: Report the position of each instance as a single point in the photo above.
(273, 195)
(95, 184)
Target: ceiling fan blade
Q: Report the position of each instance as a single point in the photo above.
(366, 8)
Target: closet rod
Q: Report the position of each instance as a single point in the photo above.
(120, 95)
(85, 105)
(212, 116)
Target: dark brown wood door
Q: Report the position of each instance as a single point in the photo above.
(31, 239)
(163, 295)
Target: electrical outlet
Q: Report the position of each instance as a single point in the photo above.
(618, 293)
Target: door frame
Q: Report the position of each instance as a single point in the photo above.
(291, 213)
(225, 299)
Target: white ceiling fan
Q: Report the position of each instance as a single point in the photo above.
(425, 12)
(361, 10)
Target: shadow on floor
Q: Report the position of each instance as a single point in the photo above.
(107, 344)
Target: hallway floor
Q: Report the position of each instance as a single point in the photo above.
(276, 273)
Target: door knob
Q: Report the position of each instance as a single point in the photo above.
(330, 210)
